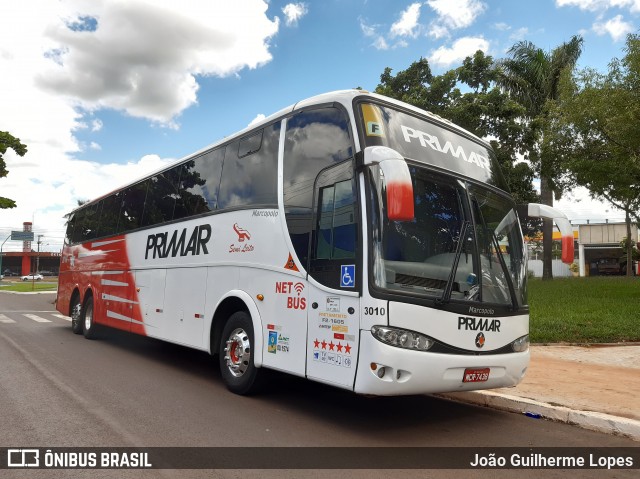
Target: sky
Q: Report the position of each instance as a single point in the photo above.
(106, 91)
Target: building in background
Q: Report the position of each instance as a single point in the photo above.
(20, 263)
(598, 248)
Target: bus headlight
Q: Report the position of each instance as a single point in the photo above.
(520, 345)
(402, 338)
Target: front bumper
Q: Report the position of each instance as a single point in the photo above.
(420, 372)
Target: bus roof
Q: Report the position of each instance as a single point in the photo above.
(344, 97)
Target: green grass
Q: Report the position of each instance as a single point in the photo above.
(585, 310)
(28, 286)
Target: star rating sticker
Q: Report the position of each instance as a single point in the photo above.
(347, 349)
(316, 344)
(324, 344)
(340, 347)
(331, 346)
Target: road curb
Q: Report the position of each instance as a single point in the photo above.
(594, 421)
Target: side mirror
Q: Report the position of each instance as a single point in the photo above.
(536, 210)
(397, 181)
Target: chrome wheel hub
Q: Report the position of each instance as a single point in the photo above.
(237, 352)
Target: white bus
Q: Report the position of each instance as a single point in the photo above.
(350, 239)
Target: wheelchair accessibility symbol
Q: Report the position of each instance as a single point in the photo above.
(348, 276)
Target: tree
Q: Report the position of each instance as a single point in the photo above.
(483, 110)
(532, 77)
(600, 128)
(8, 141)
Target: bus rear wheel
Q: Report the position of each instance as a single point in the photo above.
(236, 355)
(89, 327)
(76, 315)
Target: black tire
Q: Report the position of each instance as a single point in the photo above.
(89, 327)
(238, 370)
(76, 315)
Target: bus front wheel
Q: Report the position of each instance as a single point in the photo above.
(236, 355)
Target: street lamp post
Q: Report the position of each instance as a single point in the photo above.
(1, 253)
(38, 256)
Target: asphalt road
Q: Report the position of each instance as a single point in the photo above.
(58, 389)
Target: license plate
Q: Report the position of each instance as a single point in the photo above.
(476, 375)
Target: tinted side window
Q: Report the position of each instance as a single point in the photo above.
(91, 221)
(71, 222)
(78, 220)
(110, 216)
(314, 140)
(161, 199)
(200, 182)
(171, 195)
(132, 207)
(250, 144)
(253, 178)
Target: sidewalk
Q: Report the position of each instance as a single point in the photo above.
(596, 387)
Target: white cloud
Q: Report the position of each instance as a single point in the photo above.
(438, 31)
(461, 48)
(96, 125)
(407, 25)
(454, 14)
(600, 5)
(371, 31)
(62, 59)
(367, 30)
(380, 43)
(519, 34)
(143, 57)
(47, 190)
(503, 27)
(616, 27)
(293, 12)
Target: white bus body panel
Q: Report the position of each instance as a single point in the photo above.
(334, 333)
(452, 329)
(417, 372)
(180, 288)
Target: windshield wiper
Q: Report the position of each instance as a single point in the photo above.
(446, 295)
(505, 269)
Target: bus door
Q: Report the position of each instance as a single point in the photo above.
(333, 312)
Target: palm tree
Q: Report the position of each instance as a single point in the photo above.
(532, 76)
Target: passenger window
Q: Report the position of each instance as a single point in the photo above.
(91, 221)
(161, 199)
(200, 181)
(78, 219)
(132, 207)
(110, 217)
(314, 140)
(71, 222)
(250, 145)
(250, 171)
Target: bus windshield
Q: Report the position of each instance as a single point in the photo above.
(465, 242)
